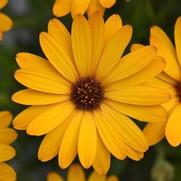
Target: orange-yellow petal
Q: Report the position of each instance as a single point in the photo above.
(96, 177)
(7, 173)
(53, 176)
(7, 135)
(107, 3)
(5, 119)
(6, 152)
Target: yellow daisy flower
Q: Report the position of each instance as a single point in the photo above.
(170, 80)
(5, 22)
(7, 136)
(82, 96)
(64, 7)
(76, 173)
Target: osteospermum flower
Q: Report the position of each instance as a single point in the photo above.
(64, 7)
(5, 22)
(7, 136)
(171, 81)
(76, 173)
(82, 96)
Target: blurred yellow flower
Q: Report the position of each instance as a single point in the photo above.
(170, 80)
(7, 136)
(64, 7)
(5, 22)
(82, 96)
(75, 173)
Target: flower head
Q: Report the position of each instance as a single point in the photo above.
(64, 7)
(82, 96)
(169, 80)
(5, 22)
(75, 172)
(7, 136)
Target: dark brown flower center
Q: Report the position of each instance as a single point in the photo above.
(178, 88)
(87, 93)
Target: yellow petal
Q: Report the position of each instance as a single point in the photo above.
(112, 178)
(112, 25)
(87, 141)
(68, 148)
(96, 22)
(60, 33)
(75, 173)
(101, 165)
(22, 120)
(133, 154)
(150, 71)
(79, 7)
(140, 95)
(3, 3)
(82, 45)
(173, 127)
(128, 130)
(96, 177)
(53, 176)
(42, 82)
(6, 152)
(50, 145)
(5, 119)
(58, 56)
(5, 23)
(110, 135)
(131, 64)
(178, 38)
(159, 132)
(165, 77)
(31, 97)
(95, 6)
(136, 46)
(7, 173)
(142, 113)
(165, 49)
(113, 51)
(62, 7)
(107, 3)
(7, 135)
(171, 104)
(50, 119)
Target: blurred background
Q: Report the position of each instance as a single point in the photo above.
(161, 163)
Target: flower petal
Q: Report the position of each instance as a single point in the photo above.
(7, 135)
(140, 95)
(58, 56)
(133, 154)
(113, 51)
(5, 119)
(107, 3)
(159, 132)
(129, 131)
(103, 158)
(7, 173)
(96, 177)
(131, 64)
(87, 141)
(142, 113)
(112, 25)
(76, 173)
(5, 23)
(6, 152)
(50, 119)
(150, 71)
(51, 142)
(3, 3)
(31, 97)
(68, 148)
(165, 49)
(79, 7)
(110, 135)
(62, 7)
(112, 178)
(53, 176)
(96, 22)
(82, 45)
(173, 127)
(95, 6)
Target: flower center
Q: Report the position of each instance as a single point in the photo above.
(178, 88)
(87, 93)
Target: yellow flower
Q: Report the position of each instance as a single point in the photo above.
(7, 136)
(64, 7)
(169, 80)
(81, 96)
(5, 22)
(75, 173)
